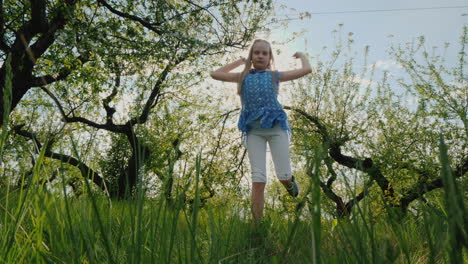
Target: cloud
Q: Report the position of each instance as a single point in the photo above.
(386, 65)
(362, 81)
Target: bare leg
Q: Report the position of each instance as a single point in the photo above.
(258, 201)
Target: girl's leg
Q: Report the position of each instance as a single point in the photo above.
(258, 201)
(279, 146)
(256, 147)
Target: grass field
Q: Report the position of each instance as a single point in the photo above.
(40, 227)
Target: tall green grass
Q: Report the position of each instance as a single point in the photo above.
(38, 226)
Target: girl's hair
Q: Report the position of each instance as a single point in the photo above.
(248, 65)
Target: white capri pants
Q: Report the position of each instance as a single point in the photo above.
(278, 140)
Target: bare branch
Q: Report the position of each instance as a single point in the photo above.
(230, 112)
(343, 209)
(193, 11)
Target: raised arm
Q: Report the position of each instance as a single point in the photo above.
(224, 74)
(298, 73)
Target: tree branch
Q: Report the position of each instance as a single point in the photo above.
(424, 187)
(46, 40)
(218, 144)
(50, 78)
(342, 209)
(54, 98)
(110, 110)
(321, 128)
(38, 15)
(123, 129)
(151, 102)
(349, 205)
(340, 206)
(328, 162)
(365, 165)
(31, 29)
(198, 9)
(131, 17)
(206, 8)
(85, 170)
(3, 46)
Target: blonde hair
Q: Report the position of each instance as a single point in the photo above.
(248, 65)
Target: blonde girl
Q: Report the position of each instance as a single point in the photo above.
(262, 119)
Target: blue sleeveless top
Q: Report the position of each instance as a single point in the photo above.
(260, 99)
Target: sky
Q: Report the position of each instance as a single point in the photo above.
(374, 28)
(378, 24)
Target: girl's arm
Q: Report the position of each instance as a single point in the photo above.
(298, 73)
(224, 74)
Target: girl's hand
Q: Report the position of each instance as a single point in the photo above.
(299, 55)
(224, 73)
(298, 73)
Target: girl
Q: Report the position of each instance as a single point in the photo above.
(262, 118)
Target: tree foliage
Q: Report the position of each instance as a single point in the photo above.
(383, 135)
(109, 65)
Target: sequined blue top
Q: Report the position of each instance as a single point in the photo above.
(260, 100)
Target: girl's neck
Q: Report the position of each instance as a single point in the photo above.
(261, 70)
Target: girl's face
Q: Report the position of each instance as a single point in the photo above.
(261, 55)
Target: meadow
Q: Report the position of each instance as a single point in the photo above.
(39, 226)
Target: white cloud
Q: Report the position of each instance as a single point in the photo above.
(460, 85)
(386, 65)
(362, 81)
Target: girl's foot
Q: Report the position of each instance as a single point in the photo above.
(293, 189)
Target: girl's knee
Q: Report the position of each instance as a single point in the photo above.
(286, 182)
(284, 177)
(259, 177)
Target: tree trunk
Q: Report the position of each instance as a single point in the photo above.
(129, 177)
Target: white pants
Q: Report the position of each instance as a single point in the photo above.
(278, 140)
